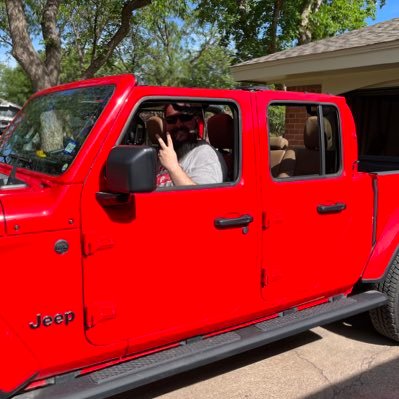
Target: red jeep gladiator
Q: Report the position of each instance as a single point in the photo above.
(110, 282)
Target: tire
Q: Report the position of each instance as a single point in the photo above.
(386, 318)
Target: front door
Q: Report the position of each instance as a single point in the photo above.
(158, 269)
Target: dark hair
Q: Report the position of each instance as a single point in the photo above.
(186, 147)
(186, 108)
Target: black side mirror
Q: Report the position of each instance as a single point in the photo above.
(129, 169)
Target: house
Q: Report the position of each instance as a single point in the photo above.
(362, 65)
(7, 112)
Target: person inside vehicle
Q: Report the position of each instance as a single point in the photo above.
(186, 160)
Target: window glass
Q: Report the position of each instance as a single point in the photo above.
(296, 144)
(50, 130)
(8, 112)
(332, 137)
(204, 137)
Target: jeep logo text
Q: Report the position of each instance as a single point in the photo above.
(46, 321)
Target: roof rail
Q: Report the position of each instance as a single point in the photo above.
(254, 88)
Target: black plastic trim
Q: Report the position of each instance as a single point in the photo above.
(325, 209)
(375, 210)
(111, 199)
(138, 372)
(241, 221)
(320, 118)
(5, 395)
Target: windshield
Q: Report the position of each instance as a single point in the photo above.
(51, 129)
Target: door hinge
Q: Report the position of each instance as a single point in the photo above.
(99, 313)
(94, 242)
(265, 222)
(263, 278)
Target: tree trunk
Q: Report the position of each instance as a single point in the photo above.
(22, 47)
(242, 5)
(52, 40)
(272, 36)
(46, 74)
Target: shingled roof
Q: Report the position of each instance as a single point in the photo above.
(383, 32)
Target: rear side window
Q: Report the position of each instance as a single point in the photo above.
(304, 140)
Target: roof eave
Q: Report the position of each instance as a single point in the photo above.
(355, 57)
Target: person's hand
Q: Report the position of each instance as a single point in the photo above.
(167, 154)
(168, 158)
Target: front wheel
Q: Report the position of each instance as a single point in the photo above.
(386, 318)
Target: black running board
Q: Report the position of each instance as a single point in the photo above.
(194, 353)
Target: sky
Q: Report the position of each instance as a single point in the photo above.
(389, 11)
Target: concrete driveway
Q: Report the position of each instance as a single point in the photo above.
(343, 360)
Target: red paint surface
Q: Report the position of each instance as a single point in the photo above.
(158, 270)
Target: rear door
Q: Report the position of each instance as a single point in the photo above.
(307, 201)
(158, 269)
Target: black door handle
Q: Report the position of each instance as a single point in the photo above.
(241, 221)
(338, 207)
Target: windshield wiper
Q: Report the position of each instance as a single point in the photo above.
(11, 178)
(19, 159)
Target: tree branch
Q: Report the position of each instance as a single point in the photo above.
(305, 33)
(78, 44)
(95, 34)
(119, 35)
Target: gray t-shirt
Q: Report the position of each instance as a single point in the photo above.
(202, 165)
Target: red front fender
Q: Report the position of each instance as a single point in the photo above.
(18, 365)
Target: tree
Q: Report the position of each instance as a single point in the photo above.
(14, 85)
(260, 27)
(96, 27)
(170, 48)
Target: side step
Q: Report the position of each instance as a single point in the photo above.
(132, 374)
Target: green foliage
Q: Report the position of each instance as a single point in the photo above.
(340, 16)
(182, 42)
(276, 119)
(87, 27)
(259, 27)
(14, 85)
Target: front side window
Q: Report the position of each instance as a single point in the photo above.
(202, 134)
(51, 129)
(303, 140)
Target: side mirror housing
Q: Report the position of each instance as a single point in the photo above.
(131, 169)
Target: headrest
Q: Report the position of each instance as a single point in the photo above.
(221, 131)
(278, 143)
(155, 126)
(328, 134)
(311, 133)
